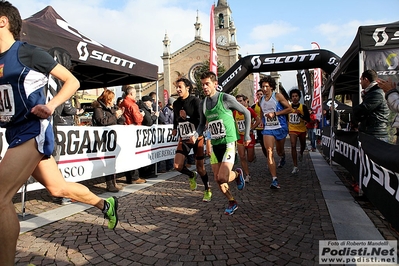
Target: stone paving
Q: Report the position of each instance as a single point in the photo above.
(167, 224)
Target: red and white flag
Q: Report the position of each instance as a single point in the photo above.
(256, 86)
(316, 97)
(213, 60)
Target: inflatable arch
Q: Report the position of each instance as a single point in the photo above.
(306, 59)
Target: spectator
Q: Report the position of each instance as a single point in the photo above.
(156, 108)
(133, 116)
(311, 127)
(119, 101)
(132, 113)
(105, 114)
(168, 118)
(168, 111)
(150, 118)
(372, 113)
(392, 97)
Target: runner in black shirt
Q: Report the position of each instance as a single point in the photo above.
(186, 119)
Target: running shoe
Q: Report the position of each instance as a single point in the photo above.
(274, 184)
(240, 179)
(207, 195)
(232, 208)
(193, 181)
(295, 170)
(66, 201)
(112, 213)
(281, 163)
(247, 178)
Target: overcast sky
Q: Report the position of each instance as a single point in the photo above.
(137, 27)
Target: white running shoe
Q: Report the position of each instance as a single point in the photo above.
(295, 170)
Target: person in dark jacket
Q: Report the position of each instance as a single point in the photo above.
(150, 117)
(372, 113)
(106, 114)
(168, 116)
(67, 117)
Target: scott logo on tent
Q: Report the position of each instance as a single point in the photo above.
(376, 36)
(285, 59)
(97, 55)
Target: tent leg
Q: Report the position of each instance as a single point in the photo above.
(23, 198)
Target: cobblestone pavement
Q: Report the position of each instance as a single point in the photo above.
(167, 224)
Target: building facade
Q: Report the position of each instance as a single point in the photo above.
(189, 58)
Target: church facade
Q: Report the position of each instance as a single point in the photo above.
(188, 59)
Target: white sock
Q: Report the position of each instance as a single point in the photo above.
(274, 178)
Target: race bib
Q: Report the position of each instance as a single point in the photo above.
(217, 129)
(241, 125)
(294, 118)
(186, 130)
(271, 121)
(7, 109)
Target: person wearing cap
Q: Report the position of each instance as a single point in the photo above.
(149, 118)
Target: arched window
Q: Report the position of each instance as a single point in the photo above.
(221, 21)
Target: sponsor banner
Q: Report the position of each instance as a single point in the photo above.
(379, 175)
(371, 164)
(89, 152)
(165, 97)
(305, 86)
(344, 151)
(384, 62)
(307, 59)
(317, 80)
(358, 252)
(256, 86)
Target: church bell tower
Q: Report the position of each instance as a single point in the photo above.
(223, 24)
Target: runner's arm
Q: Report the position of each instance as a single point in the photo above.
(287, 107)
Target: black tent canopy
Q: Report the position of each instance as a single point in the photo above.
(340, 107)
(94, 64)
(383, 37)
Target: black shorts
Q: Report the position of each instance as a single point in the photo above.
(198, 148)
